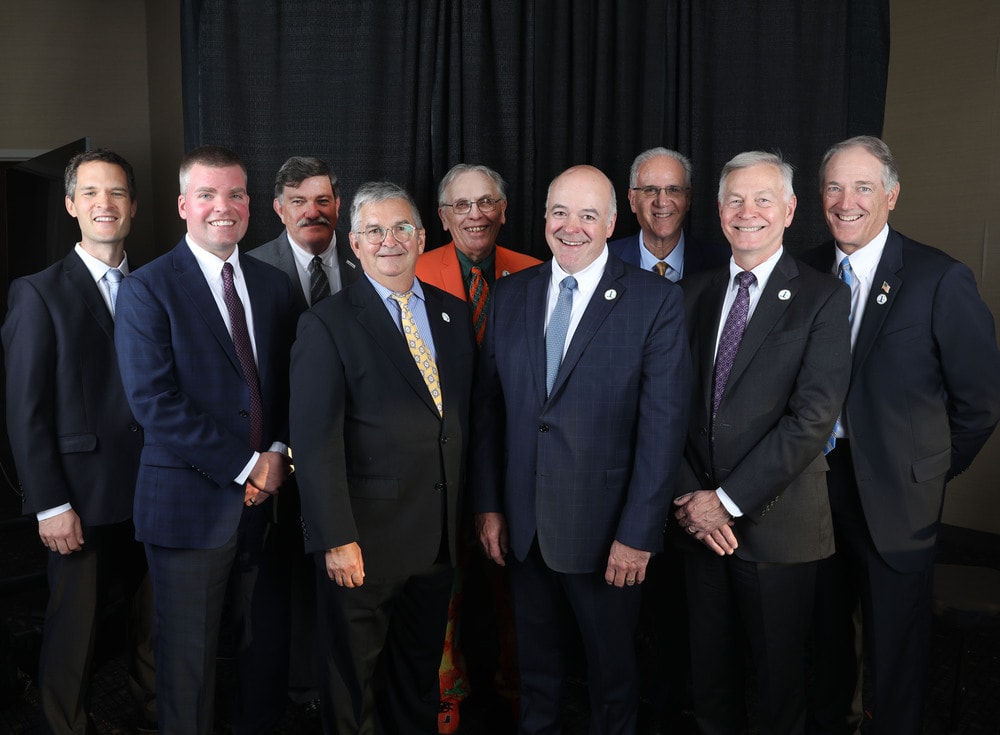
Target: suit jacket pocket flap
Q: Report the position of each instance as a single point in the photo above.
(376, 488)
(70, 443)
(930, 467)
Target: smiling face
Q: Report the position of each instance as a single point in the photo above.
(390, 263)
(578, 217)
(310, 212)
(660, 216)
(856, 203)
(216, 207)
(754, 213)
(475, 232)
(102, 206)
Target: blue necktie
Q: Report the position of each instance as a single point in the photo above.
(114, 278)
(846, 274)
(555, 335)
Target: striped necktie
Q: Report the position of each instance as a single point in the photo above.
(479, 297)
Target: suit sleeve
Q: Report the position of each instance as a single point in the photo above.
(970, 364)
(156, 392)
(29, 340)
(816, 400)
(317, 413)
(488, 428)
(663, 408)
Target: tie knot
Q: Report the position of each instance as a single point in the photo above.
(227, 272)
(113, 275)
(476, 270)
(567, 284)
(660, 268)
(403, 299)
(746, 279)
(316, 262)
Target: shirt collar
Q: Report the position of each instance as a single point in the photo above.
(864, 260)
(97, 267)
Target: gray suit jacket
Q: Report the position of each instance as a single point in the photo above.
(783, 396)
(278, 252)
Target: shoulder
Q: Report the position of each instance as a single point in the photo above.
(623, 245)
(437, 255)
(512, 260)
(270, 250)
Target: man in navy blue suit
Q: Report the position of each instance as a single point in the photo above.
(575, 449)
(660, 196)
(203, 338)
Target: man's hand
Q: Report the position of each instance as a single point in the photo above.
(491, 528)
(62, 533)
(626, 566)
(270, 472)
(702, 515)
(345, 566)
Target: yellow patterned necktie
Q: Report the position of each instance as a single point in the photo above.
(418, 348)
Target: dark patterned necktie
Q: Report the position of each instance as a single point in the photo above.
(732, 334)
(244, 352)
(479, 297)
(846, 274)
(319, 284)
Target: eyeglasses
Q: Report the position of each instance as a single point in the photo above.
(672, 192)
(464, 206)
(376, 235)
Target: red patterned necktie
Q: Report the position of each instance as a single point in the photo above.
(244, 352)
(479, 295)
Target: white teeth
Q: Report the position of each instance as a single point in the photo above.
(750, 229)
(480, 228)
(105, 218)
(223, 223)
(567, 242)
(848, 217)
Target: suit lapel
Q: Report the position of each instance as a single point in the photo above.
(709, 316)
(886, 272)
(83, 283)
(533, 321)
(770, 308)
(374, 317)
(443, 325)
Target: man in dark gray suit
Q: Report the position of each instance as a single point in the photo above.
(307, 199)
(770, 341)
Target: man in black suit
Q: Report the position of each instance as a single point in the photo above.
(771, 348)
(75, 441)
(381, 376)
(307, 199)
(923, 400)
(660, 197)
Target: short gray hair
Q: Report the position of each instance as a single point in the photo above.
(633, 176)
(471, 168)
(755, 158)
(875, 146)
(374, 192)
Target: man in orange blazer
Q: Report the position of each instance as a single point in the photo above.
(472, 203)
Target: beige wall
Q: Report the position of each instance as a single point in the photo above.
(108, 69)
(942, 122)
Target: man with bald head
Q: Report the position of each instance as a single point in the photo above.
(575, 453)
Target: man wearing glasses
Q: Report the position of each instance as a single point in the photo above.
(660, 196)
(381, 375)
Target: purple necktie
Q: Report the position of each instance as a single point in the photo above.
(244, 351)
(729, 342)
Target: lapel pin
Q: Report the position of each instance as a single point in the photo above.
(784, 294)
(885, 287)
(446, 316)
(610, 294)
(881, 299)
(504, 273)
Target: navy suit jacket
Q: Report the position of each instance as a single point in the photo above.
(73, 436)
(278, 252)
(698, 255)
(924, 395)
(184, 383)
(373, 457)
(781, 400)
(596, 460)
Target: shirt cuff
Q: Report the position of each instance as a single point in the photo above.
(52, 512)
(728, 504)
(241, 479)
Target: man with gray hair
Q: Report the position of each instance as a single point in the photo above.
(307, 199)
(770, 342)
(660, 197)
(381, 375)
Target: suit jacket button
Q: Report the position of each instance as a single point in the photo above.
(439, 486)
(133, 427)
(243, 413)
(703, 431)
(543, 428)
(444, 440)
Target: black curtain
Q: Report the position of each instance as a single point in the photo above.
(404, 90)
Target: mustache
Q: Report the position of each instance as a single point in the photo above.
(308, 221)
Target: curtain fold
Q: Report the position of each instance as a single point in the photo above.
(404, 90)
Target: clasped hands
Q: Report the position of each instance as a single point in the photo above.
(702, 515)
(266, 477)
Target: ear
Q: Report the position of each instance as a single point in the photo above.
(355, 246)
(71, 207)
(791, 210)
(277, 208)
(444, 222)
(893, 196)
(182, 207)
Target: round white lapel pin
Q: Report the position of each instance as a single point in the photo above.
(504, 273)
(446, 316)
(881, 299)
(784, 294)
(610, 294)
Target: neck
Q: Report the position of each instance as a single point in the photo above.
(111, 254)
(661, 247)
